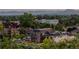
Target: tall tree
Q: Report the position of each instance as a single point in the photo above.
(27, 20)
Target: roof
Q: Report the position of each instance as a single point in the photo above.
(43, 29)
(16, 21)
(48, 21)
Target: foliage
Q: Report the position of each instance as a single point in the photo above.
(59, 27)
(48, 43)
(1, 27)
(5, 43)
(44, 25)
(18, 36)
(27, 20)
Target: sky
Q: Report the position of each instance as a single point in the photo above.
(39, 4)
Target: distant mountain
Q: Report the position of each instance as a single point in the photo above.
(11, 12)
(57, 12)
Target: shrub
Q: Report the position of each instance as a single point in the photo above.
(19, 36)
(48, 43)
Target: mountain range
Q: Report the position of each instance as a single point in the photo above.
(11, 12)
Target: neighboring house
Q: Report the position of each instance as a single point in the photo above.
(48, 21)
(44, 31)
(73, 30)
(38, 34)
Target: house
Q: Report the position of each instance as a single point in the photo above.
(38, 34)
(73, 30)
(48, 21)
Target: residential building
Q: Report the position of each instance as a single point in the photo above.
(48, 21)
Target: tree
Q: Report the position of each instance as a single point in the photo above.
(27, 20)
(59, 27)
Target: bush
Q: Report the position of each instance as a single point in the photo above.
(48, 43)
(67, 44)
(19, 36)
(5, 43)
